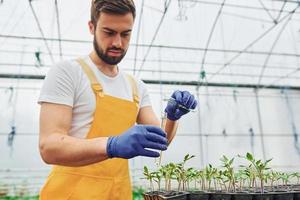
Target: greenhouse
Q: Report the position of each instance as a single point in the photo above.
(186, 99)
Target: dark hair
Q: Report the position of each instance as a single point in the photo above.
(118, 7)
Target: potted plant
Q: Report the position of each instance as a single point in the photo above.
(150, 176)
(258, 170)
(253, 181)
(166, 173)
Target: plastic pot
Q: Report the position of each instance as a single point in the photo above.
(220, 196)
(197, 195)
(262, 196)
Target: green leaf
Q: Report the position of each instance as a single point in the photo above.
(186, 157)
(146, 169)
(249, 156)
(268, 161)
(258, 162)
(231, 161)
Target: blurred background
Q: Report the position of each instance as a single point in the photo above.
(240, 58)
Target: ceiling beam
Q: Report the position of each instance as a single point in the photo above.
(161, 46)
(169, 82)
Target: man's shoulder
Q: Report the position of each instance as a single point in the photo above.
(70, 63)
(70, 66)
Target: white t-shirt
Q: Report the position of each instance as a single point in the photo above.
(66, 83)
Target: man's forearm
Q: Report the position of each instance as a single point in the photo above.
(170, 129)
(64, 150)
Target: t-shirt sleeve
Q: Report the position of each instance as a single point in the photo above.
(144, 94)
(59, 85)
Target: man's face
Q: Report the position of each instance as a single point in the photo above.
(111, 36)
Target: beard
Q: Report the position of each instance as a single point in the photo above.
(111, 60)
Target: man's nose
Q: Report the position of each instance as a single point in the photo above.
(117, 41)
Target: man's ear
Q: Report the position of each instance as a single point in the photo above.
(91, 27)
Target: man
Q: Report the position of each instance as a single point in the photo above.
(89, 109)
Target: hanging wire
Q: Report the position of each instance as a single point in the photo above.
(154, 9)
(268, 11)
(281, 9)
(293, 72)
(138, 36)
(239, 6)
(246, 17)
(158, 46)
(252, 43)
(260, 125)
(12, 27)
(161, 86)
(186, 62)
(203, 74)
(41, 31)
(280, 78)
(167, 4)
(38, 59)
(13, 124)
(10, 17)
(58, 29)
(11, 137)
(210, 36)
(292, 121)
(272, 48)
(241, 108)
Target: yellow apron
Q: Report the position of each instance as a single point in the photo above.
(106, 180)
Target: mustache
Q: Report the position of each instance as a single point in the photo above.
(115, 49)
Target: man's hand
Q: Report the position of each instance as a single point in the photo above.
(182, 103)
(134, 142)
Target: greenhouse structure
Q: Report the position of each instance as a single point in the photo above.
(240, 59)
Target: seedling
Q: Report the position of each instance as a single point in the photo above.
(149, 176)
(229, 172)
(210, 173)
(260, 167)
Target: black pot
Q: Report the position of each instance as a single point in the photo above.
(220, 196)
(198, 195)
(283, 195)
(297, 195)
(173, 195)
(241, 196)
(262, 196)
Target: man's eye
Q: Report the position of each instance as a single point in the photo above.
(125, 34)
(109, 33)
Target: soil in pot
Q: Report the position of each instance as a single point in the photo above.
(197, 195)
(152, 195)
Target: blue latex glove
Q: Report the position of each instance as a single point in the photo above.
(183, 98)
(133, 142)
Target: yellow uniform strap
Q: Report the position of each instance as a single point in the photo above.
(134, 89)
(90, 74)
(97, 86)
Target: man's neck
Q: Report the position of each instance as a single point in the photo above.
(108, 70)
